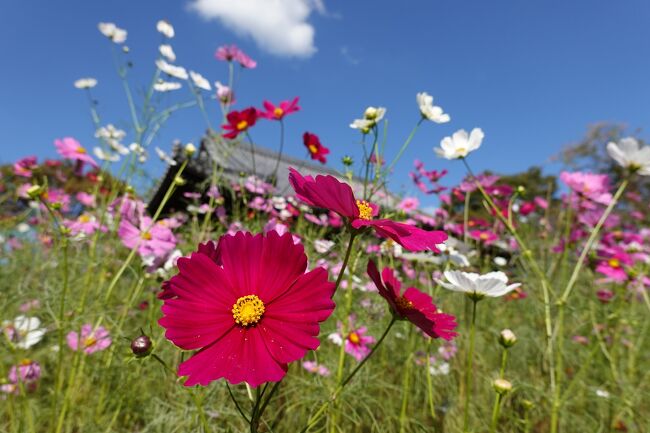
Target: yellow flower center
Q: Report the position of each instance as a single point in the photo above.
(90, 341)
(25, 361)
(81, 149)
(403, 303)
(248, 310)
(461, 151)
(84, 218)
(484, 236)
(365, 211)
(614, 263)
(313, 148)
(278, 112)
(354, 338)
(146, 236)
(242, 125)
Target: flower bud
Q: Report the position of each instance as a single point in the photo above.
(507, 338)
(130, 189)
(178, 180)
(141, 346)
(370, 113)
(35, 191)
(347, 160)
(502, 386)
(521, 189)
(190, 149)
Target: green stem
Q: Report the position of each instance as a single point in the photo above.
(495, 413)
(61, 333)
(345, 260)
(314, 418)
(469, 369)
(404, 146)
(277, 162)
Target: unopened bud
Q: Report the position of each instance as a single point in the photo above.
(502, 386)
(35, 191)
(370, 113)
(190, 149)
(347, 160)
(56, 205)
(141, 346)
(130, 189)
(521, 189)
(507, 338)
(179, 180)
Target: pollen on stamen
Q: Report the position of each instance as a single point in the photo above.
(403, 303)
(365, 211)
(248, 310)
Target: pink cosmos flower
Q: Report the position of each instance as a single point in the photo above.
(594, 187)
(27, 371)
(152, 240)
(409, 204)
(356, 342)
(228, 53)
(614, 267)
(316, 368)
(277, 112)
(89, 340)
(329, 193)
(248, 305)
(25, 166)
(412, 305)
(70, 148)
(84, 225)
(85, 199)
(225, 94)
(485, 236)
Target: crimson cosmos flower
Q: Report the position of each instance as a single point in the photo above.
(248, 305)
(413, 305)
(240, 121)
(316, 150)
(329, 193)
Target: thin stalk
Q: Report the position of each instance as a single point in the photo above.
(252, 146)
(432, 407)
(495, 413)
(277, 162)
(470, 366)
(61, 329)
(345, 260)
(405, 145)
(316, 417)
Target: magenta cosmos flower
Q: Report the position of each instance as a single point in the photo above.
(277, 112)
(248, 305)
(25, 166)
(89, 340)
(329, 193)
(413, 305)
(356, 341)
(70, 148)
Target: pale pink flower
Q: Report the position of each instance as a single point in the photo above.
(70, 148)
(155, 240)
(89, 340)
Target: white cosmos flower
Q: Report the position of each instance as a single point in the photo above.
(112, 32)
(140, 151)
(167, 52)
(163, 156)
(166, 86)
(85, 83)
(323, 245)
(371, 117)
(110, 132)
(199, 81)
(460, 144)
(23, 331)
(492, 284)
(175, 71)
(629, 154)
(456, 257)
(441, 369)
(500, 261)
(105, 156)
(164, 27)
(430, 111)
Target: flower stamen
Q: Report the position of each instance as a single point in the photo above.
(248, 310)
(365, 211)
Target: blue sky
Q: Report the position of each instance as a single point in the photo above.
(532, 74)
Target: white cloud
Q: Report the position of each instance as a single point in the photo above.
(277, 26)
